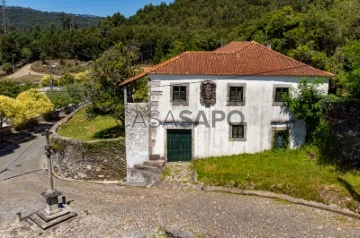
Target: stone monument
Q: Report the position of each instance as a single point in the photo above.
(53, 214)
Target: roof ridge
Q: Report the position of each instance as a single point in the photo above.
(265, 62)
(236, 42)
(248, 45)
(289, 58)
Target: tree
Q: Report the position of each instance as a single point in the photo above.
(12, 88)
(35, 102)
(7, 68)
(9, 88)
(66, 79)
(113, 67)
(59, 99)
(11, 112)
(45, 81)
(306, 103)
(141, 90)
(76, 92)
(26, 53)
(349, 75)
(82, 77)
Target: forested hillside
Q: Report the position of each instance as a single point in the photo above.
(24, 18)
(323, 33)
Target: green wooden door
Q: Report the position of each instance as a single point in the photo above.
(179, 145)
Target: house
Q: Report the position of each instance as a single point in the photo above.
(224, 102)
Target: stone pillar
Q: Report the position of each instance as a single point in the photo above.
(136, 136)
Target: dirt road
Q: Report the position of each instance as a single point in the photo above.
(25, 70)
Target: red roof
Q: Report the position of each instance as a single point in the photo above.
(233, 47)
(235, 59)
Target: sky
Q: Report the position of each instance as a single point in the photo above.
(93, 7)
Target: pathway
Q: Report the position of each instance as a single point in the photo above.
(25, 70)
(25, 154)
(117, 211)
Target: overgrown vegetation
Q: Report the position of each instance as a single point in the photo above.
(113, 67)
(307, 103)
(11, 88)
(321, 33)
(296, 173)
(338, 134)
(60, 67)
(81, 127)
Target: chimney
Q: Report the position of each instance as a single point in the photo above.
(268, 45)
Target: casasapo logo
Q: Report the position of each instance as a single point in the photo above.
(156, 119)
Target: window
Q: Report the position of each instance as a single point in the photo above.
(281, 139)
(179, 94)
(280, 94)
(236, 94)
(237, 132)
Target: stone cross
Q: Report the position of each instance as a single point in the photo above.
(51, 194)
(48, 153)
(52, 214)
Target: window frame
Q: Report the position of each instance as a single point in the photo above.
(178, 102)
(282, 86)
(236, 103)
(231, 126)
(278, 126)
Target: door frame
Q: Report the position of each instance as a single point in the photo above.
(174, 127)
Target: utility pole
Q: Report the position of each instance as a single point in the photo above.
(51, 79)
(4, 20)
(51, 76)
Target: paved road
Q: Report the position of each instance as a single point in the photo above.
(24, 155)
(116, 211)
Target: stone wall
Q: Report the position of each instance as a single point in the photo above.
(97, 160)
(344, 118)
(100, 160)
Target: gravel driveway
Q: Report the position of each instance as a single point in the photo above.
(117, 211)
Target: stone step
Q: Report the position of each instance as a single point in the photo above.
(142, 177)
(148, 168)
(155, 163)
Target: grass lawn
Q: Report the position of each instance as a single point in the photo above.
(29, 78)
(293, 172)
(81, 128)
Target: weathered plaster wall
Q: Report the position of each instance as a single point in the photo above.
(259, 114)
(136, 133)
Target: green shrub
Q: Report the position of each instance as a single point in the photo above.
(11, 88)
(60, 99)
(45, 81)
(82, 77)
(66, 79)
(76, 93)
(7, 68)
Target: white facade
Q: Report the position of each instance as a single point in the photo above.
(261, 116)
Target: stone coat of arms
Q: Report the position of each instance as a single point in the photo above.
(208, 93)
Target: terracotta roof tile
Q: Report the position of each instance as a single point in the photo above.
(236, 59)
(233, 47)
